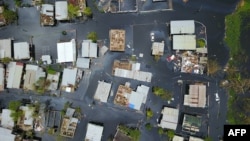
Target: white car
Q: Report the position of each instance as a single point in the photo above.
(217, 98)
(152, 36)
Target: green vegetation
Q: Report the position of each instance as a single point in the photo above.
(92, 36)
(161, 131)
(72, 11)
(18, 3)
(148, 126)
(208, 139)
(164, 94)
(170, 134)
(131, 132)
(200, 43)
(50, 70)
(237, 27)
(213, 67)
(64, 32)
(6, 60)
(41, 85)
(88, 12)
(10, 16)
(149, 113)
(133, 58)
(16, 113)
(157, 58)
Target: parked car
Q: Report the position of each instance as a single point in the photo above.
(152, 36)
(217, 98)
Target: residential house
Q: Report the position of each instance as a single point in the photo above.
(169, 118)
(94, 132)
(32, 74)
(69, 124)
(6, 134)
(2, 18)
(89, 49)
(54, 80)
(2, 77)
(47, 15)
(83, 63)
(21, 51)
(6, 119)
(182, 27)
(191, 123)
(196, 96)
(117, 40)
(5, 48)
(158, 48)
(61, 10)
(46, 59)
(102, 91)
(14, 74)
(66, 51)
(192, 138)
(69, 77)
(125, 96)
(184, 42)
(26, 122)
(120, 136)
(178, 138)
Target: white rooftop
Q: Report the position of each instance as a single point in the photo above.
(83, 63)
(21, 50)
(6, 135)
(184, 42)
(14, 76)
(133, 74)
(182, 27)
(2, 76)
(5, 48)
(102, 91)
(54, 80)
(158, 48)
(169, 118)
(94, 132)
(177, 138)
(28, 114)
(66, 51)
(89, 49)
(47, 9)
(7, 121)
(61, 10)
(191, 138)
(69, 77)
(47, 59)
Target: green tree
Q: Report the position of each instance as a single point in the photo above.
(160, 131)
(170, 134)
(213, 67)
(88, 12)
(6, 60)
(14, 105)
(164, 94)
(72, 11)
(148, 126)
(149, 113)
(18, 3)
(131, 132)
(208, 139)
(92, 36)
(10, 16)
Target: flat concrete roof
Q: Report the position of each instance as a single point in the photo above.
(184, 42)
(94, 132)
(182, 27)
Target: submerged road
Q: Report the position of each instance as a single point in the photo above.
(210, 12)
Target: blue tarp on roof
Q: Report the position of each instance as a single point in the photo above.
(131, 105)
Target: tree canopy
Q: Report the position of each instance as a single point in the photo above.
(92, 36)
(88, 12)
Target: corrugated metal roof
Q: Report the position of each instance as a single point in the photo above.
(5, 48)
(7, 121)
(178, 138)
(184, 42)
(21, 50)
(15, 73)
(182, 27)
(191, 138)
(169, 118)
(28, 112)
(94, 132)
(158, 48)
(69, 76)
(89, 49)
(102, 91)
(83, 63)
(61, 10)
(47, 9)
(6, 135)
(66, 51)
